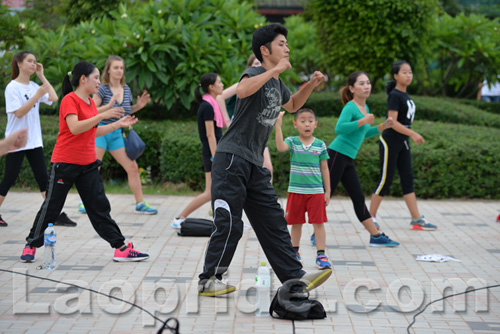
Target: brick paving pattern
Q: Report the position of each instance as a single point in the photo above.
(372, 290)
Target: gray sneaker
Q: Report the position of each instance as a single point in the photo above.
(422, 225)
(315, 279)
(214, 287)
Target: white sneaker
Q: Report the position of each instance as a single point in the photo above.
(177, 222)
(214, 287)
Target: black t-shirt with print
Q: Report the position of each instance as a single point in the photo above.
(402, 103)
(254, 119)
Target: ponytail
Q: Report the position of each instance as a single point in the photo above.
(197, 95)
(205, 81)
(394, 70)
(390, 86)
(345, 92)
(346, 95)
(66, 85)
(18, 58)
(72, 79)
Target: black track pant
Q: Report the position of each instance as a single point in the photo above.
(342, 169)
(394, 154)
(87, 180)
(239, 185)
(13, 162)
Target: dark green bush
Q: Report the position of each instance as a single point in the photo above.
(428, 108)
(483, 105)
(457, 160)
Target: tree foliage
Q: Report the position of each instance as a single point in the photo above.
(167, 45)
(465, 50)
(371, 34)
(303, 43)
(77, 11)
(49, 14)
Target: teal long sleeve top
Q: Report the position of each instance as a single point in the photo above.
(349, 134)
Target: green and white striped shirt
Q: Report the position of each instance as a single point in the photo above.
(305, 169)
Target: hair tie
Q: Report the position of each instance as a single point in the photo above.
(199, 85)
(69, 73)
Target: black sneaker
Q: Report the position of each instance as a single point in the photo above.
(63, 220)
(3, 222)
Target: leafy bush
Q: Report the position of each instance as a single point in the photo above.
(13, 30)
(483, 105)
(77, 11)
(370, 35)
(167, 45)
(464, 52)
(304, 56)
(457, 160)
(428, 108)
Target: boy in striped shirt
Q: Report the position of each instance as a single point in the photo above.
(309, 187)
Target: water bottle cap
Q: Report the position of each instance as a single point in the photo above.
(50, 224)
(263, 263)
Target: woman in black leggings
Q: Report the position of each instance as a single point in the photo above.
(22, 99)
(353, 126)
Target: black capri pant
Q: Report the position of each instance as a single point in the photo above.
(13, 162)
(394, 153)
(342, 169)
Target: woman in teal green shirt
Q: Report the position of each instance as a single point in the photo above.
(353, 126)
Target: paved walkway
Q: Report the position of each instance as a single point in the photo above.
(372, 290)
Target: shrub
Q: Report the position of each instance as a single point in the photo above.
(428, 108)
(483, 105)
(167, 45)
(464, 53)
(370, 35)
(457, 160)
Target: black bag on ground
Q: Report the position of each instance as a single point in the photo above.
(292, 302)
(196, 227)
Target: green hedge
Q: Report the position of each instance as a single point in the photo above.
(428, 108)
(456, 160)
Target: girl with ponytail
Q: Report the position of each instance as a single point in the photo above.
(353, 126)
(22, 99)
(210, 124)
(74, 162)
(395, 147)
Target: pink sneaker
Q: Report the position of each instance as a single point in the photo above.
(129, 254)
(28, 254)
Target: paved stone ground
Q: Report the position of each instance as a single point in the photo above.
(372, 290)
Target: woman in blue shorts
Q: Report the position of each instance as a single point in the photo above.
(115, 93)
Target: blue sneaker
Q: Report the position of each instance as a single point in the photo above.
(375, 222)
(81, 208)
(382, 241)
(422, 225)
(299, 258)
(313, 240)
(322, 262)
(144, 208)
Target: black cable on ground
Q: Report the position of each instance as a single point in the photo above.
(440, 299)
(174, 329)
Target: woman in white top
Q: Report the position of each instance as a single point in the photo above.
(22, 99)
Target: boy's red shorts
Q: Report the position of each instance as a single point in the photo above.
(298, 204)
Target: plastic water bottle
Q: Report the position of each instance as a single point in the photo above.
(263, 285)
(49, 252)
